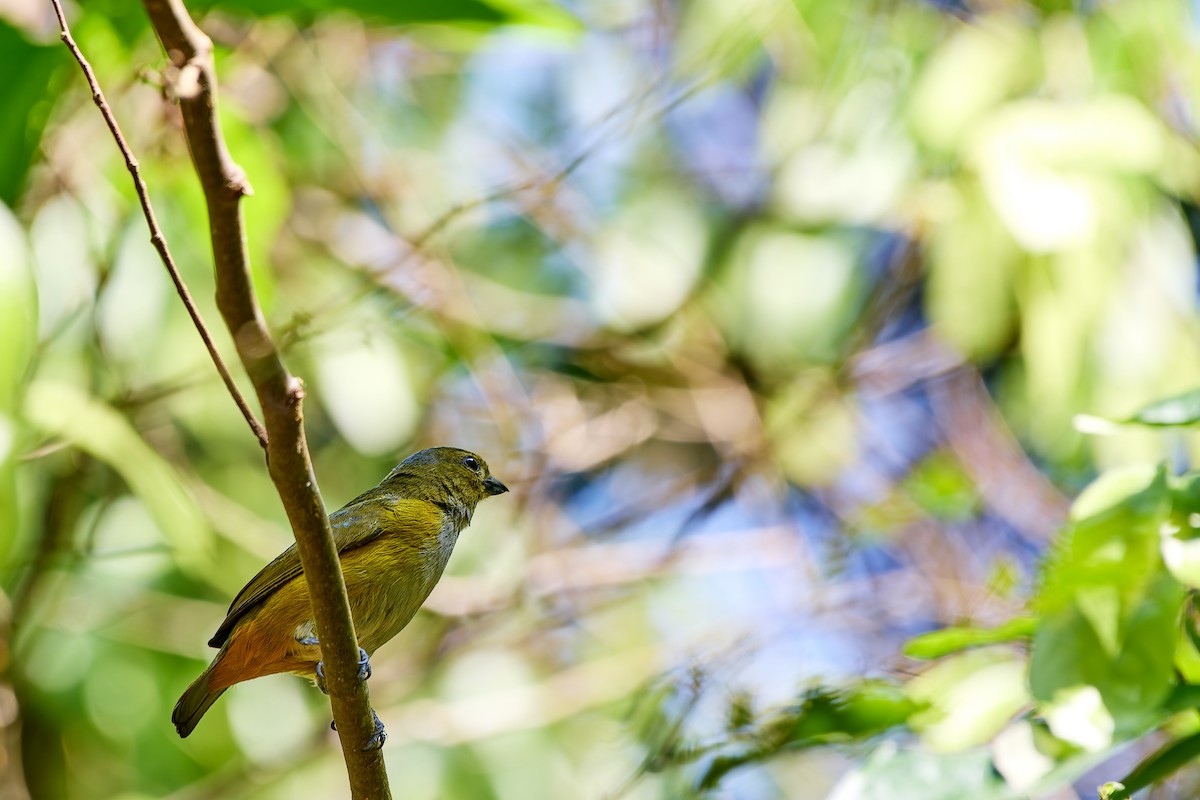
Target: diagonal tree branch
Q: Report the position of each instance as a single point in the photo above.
(156, 235)
(279, 393)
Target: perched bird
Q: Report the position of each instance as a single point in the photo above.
(393, 541)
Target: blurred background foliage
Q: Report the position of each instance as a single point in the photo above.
(794, 326)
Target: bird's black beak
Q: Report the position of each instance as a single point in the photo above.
(494, 486)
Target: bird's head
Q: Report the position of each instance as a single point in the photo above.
(445, 476)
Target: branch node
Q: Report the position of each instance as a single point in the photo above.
(186, 85)
(238, 183)
(295, 391)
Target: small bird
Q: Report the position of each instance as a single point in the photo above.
(393, 541)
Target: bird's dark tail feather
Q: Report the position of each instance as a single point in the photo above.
(196, 700)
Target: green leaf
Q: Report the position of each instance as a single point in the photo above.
(1184, 697)
(539, 13)
(951, 640)
(1182, 557)
(1157, 767)
(1181, 410)
(1113, 540)
(973, 308)
(18, 332)
(98, 429)
(1135, 681)
(24, 104)
(894, 774)
(857, 712)
(1109, 607)
(969, 698)
(824, 716)
(1135, 484)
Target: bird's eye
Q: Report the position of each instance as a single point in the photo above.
(471, 463)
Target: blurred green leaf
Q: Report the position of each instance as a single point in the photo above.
(973, 309)
(264, 211)
(969, 698)
(96, 428)
(18, 332)
(824, 716)
(1139, 487)
(936, 644)
(23, 104)
(1135, 681)
(18, 312)
(1191, 619)
(894, 774)
(1110, 609)
(941, 486)
(1182, 557)
(859, 711)
(1184, 697)
(1181, 410)
(405, 12)
(1157, 767)
(968, 78)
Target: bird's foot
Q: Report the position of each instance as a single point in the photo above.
(364, 668)
(378, 737)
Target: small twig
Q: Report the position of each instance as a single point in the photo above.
(156, 235)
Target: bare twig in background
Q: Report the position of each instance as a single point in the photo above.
(156, 235)
(279, 393)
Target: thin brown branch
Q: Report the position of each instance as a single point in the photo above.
(156, 235)
(280, 394)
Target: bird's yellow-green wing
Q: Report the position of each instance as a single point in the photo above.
(353, 525)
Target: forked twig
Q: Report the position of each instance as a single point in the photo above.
(156, 235)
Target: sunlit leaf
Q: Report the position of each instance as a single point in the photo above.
(18, 332)
(974, 309)
(970, 697)
(894, 774)
(1113, 488)
(1181, 410)
(1182, 557)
